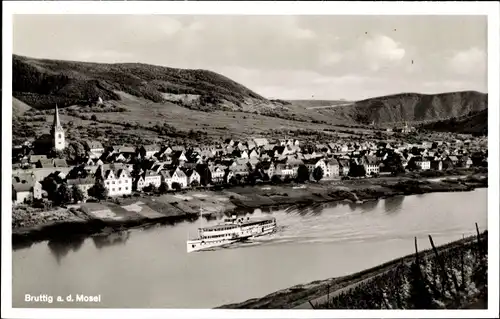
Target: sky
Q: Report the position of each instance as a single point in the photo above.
(286, 57)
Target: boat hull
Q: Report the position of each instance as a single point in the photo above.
(198, 245)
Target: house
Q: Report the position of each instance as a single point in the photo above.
(260, 142)
(253, 154)
(37, 190)
(178, 176)
(268, 168)
(84, 184)
(21, 193)
(148, 151)
(94, 162)
(450, 162)
(59, 162)
(243, 154)
(332, 168)
(192, 177)
(251, 144)
(178, 157)
(344, 167)
(166, 177)
(34, 159)
(94, 148)
(422, 163)
(371, 165)
(316, 162)
(283, 170)
(152, 178)
(466, 162)
(117, 182)
(437, 165)
(228, 175)
(45, 163)
(217, 173)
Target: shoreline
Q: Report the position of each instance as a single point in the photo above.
(252, 197)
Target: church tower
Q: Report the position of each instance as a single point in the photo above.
(57, 133)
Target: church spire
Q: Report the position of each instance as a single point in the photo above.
(56, 123)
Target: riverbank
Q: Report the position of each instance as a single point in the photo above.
(31, 225)
(454, 275)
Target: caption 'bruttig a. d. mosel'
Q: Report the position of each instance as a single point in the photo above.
(279, 162)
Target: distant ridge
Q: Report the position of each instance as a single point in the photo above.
(413, 107)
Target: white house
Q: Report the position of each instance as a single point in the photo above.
(94, 148)
(423, 163)
(217, 173)
(152, 178)
(178, 176)
(192, 176)
(118, 182)
(371, 165)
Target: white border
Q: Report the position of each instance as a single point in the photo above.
(491, 9)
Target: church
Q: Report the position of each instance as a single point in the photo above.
(55, 140)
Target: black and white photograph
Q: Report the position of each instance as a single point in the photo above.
(225, 161)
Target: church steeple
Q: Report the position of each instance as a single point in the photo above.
(57, 132)
(56, 123)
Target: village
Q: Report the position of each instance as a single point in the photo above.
(121, 170)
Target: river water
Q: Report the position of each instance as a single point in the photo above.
(150, 267)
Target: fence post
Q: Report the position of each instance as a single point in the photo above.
(443, 268)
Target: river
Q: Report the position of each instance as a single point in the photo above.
(150, 267)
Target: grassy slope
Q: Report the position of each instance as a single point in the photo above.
(19, 107)
(234, 109)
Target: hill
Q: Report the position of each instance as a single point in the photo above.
(472, 123)
(412, 107)
(41, 83)
(18, 107)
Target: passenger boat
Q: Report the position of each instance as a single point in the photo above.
(231, 230)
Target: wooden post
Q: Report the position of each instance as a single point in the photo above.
(328, 296)
(462, 266)
(311, 304)
(480, 250)
(443, 268)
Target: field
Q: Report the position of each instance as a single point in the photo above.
(142, 118)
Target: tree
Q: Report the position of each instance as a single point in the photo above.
(98, 191)
(265, 177)
(233, 180)
(356, 170)
(176, 186)
(163, 188)
(49, 184)
(302, 174)
(77, 194)
(276, 179)
(318, 173)
(205, 174)
(93, 117)
(74, 151)
(150, 188)
(195, 183)
(63, 194)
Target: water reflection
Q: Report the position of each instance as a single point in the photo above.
(61, 247)
(368, 206)
(118, 238)
(352, 206)
(392, 205)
